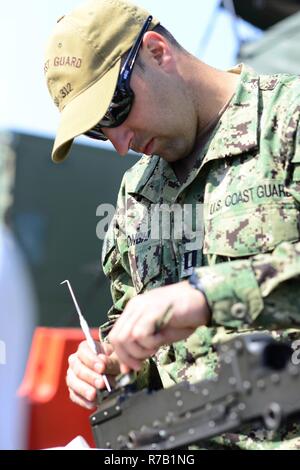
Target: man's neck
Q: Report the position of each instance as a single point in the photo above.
(212, 91)
(183, 167)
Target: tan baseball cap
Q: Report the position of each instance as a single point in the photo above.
(83, 61)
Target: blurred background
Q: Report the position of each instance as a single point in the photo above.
(48, 212)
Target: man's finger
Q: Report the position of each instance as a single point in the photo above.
(125, 358)
(83, 372)
(79, 400)
(172, 335)
(80, 387)
(100, 384)
(138, 351)
(108, 365)
(87, 356)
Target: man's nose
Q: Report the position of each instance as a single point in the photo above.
(120, 137)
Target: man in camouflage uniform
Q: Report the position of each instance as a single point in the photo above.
(224, 145)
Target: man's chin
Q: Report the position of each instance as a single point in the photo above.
(167, 155)
(171, 157)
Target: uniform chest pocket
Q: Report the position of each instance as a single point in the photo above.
(257, 229)
(145, 263)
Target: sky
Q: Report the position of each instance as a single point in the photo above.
(26, 25)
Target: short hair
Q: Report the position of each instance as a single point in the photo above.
(167, 35)
(160, 29)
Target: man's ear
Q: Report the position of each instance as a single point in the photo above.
(157, 48)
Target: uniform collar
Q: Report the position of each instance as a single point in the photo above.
(235, 133)
(237, 130)
(144, 178)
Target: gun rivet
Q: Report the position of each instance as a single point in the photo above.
(261, 384)
(156, 424)
(227, 359)
(172, 438)
(211, 424)
(275, 378)
(233, 416)
(188, 415)
(205, 392)
(232, 381)
(170, 417)
(177, 394)
(221, 409)
(241, 406)
(108, 444)
(94, 418)
(191, 431)
(117, 408)
(179, 403)
(208, 407)
(247, 385)
(238, 345)
(105, 413)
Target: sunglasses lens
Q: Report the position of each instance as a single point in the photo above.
(96, 133)
(117, 113)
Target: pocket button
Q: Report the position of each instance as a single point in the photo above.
(239, 310)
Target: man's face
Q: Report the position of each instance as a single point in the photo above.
(161, 121)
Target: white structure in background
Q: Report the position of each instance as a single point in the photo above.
(17, 317)
(2, 353)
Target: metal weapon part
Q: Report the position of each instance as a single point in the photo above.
(256, 382)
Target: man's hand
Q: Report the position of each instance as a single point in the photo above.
(84, 373)
(134, 336)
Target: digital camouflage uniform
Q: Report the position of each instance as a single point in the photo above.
(248, 177)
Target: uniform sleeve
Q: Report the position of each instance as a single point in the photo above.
(262, 291)
(115, 265)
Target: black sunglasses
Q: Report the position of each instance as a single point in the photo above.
(122, 100)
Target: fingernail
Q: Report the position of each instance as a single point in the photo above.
(89, 395)
(98, 367)
(98, 383)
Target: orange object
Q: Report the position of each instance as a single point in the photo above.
(53, 419)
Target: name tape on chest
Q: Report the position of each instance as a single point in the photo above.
(254, 194)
